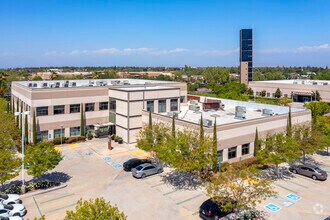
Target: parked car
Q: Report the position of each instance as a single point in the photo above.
(309, 170)
(11, 218)
(210, 210)
(12, 210)
(146, 169)
(134, 162)
(9, 199)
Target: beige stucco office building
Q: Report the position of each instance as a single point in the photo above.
(298, 90)
(109, 105)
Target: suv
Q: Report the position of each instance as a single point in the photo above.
(309, 170)
(210, 210)
(9, 199)
(134, 162)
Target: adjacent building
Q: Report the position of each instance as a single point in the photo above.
(246, 55)
(298, 90)
(109, 106)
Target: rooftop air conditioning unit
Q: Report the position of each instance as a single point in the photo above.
(73, 84)
(194, 107)
(206, 122)
(295, 82)
(57, 85)
(202, 99)
(30, 84)
(325, 84)
(66, 85)
(267, 112)
(126, 82)
(170, 114)
(239, 115)
(193, 102)
(240, 109)
(222, 106)
(314, 83)
(35, 85)
(44, 85)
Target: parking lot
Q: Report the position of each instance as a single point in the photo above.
(95, 171)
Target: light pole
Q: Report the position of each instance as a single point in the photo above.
(22, 127)
(61, 134)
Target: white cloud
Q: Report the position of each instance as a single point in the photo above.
(302, 49)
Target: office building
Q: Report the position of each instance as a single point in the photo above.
(246, 55)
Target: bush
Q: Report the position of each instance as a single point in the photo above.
(246, 162)
(74, 139)
(13, 189)
(57, 141)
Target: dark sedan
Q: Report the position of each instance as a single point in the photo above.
(210, 210)
(134, 162)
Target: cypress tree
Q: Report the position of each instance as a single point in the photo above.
(215, 147)
(34, 128)
(173, 126)
(8, 107)
(201, 130)
(150, 120)
(256, 143)
(82, 126)
(17, 118)
(26, 136)
(289, 124)
(20, 120)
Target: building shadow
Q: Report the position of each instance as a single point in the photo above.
(182, 180)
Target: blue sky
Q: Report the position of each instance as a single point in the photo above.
(162, 32)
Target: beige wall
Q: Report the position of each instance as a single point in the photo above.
(244, 72)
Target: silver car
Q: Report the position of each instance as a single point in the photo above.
(146, 169)
(309, 170)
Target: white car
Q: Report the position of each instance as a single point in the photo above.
(12, 210)
(11, 218)
(9, 199)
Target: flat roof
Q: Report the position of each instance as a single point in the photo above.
(227, 114)
(49, 84)
(143, 88)
(297, 81)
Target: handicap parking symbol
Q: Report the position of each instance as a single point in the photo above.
(88, 153)
(272, 207)
(107, 158)
(117, 166)
(293, 197)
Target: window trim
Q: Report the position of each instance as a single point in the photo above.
(161, 101)
(101, 106)
(229, 152)
(244, 148)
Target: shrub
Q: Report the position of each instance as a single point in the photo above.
(13, 189)
(246, 162)
(74, 139)
(57, 141)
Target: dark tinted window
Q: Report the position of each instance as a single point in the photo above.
(75, 108)
(89, 107)
(139, 167)
(41, 111)
(58, 109)
(103, 106)
(3, 211)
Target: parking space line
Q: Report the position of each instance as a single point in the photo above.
(283, 202)
(283, 187)
(305, 178)
(165, 194)
(186, 200)
(296, 184)
(60, 197)
(55, 210)
(37, 206)
(159, 184)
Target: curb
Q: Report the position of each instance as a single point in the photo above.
(27, 195)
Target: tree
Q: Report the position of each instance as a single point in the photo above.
(173, 126)
(215, 147)
(26, 130)
(41, 158)
(34, 128)
(317, 109)
(54, 75)
(82, 124)
(323, 124)
(263, 93)
(289, 124)
(250, 91)
(37, 78)
(97, 209)
(240, 184)
(150, 120)
(276, 149)
(256, 143)
(278, 93)
(201, 129)
(316, 96)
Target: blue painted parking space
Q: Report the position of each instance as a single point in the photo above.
(272, 207)
(293, 197)
(282, 201)
(117, 166)
(88, 153)
(107, 158)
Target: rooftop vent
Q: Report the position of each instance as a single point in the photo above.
(170, 114)
(44, 85)
(35, 85)
(239, 115)
(206, 122)
(194, 107)
(73, 84)
(30, 84)
(267, 112)
(240, 109)
(57, 85)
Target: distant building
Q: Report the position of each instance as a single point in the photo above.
(138, 75)
(246, 55)
(47, 75)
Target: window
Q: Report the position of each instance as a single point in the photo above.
(181, 99)
(150, 106)
(41, 111)
(89, 107)
(113, 105)
(58, 109)
(42, 136)
(75, 108)
(174, 105)
(89, 128)
(162, 106)
(286, 95)
(75, 131)
(245, 149)
(103, 106)
(273, 95)
(57, 133)
(112, 117)
(268, 94)
(232, 152)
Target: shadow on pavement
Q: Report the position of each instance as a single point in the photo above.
(182, 180)
(56, 177)
(323, 153)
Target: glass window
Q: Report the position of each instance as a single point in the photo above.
(42, 136)
(89, 107)
(162, 106)
(112, 117)
(181, 99)
(75, 131)
(103, 106)
(268, 94)
(174, 105)
(150, 106)
(58, 109)
(113, 105)
(232, 152)
(57, 133)
(245, 149)
(41, 111)
(75, 108)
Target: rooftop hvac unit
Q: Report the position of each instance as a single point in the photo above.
(194, 107)
(44, 85)
(267, 112)
(240, 109)
(66, 85)
(126, 82)
(325, 84)
(202, 99)
(57, 85)
(222, 106)
(73, 84)
(295, 82)
(302, 82)
(314, 83)
(239, 115)
(193, 102)
(35, 85)
(206, 122)
(170, 114)
(30, 85)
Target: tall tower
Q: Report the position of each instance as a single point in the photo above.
(246, 55)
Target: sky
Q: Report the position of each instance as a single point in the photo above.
(171, 33)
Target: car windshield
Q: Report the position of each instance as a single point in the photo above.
(319, 170)
(139, 168)
(3, 196)
(10, 207)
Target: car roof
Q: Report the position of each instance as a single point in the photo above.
(145, 164)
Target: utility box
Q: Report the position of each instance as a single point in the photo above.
(194, 107)
(267, 112)
(240, 109)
